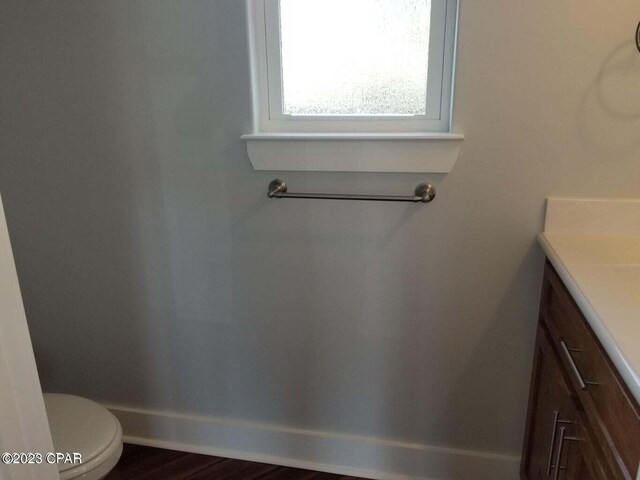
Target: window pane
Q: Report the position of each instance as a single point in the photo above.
(354, 57)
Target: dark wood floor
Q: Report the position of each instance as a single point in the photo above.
(142, 463)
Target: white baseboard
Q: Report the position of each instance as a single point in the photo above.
(309, 449)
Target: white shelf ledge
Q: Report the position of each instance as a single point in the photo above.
(354, 152)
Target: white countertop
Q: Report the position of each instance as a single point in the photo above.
(595, 247)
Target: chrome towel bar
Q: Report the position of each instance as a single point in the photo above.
(423, 193)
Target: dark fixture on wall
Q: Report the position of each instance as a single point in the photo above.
(638, 37)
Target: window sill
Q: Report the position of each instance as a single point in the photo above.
(354, 152)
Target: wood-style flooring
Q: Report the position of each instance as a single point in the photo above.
(146, 463)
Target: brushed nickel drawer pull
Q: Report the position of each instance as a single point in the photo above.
(563, 438)
(553, 441)
(556, 413)
(559, 453)
(556, 422)
(572, 364)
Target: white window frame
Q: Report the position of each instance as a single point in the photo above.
(367, 143)
(266, 25)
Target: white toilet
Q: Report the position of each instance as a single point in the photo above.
(81, 426)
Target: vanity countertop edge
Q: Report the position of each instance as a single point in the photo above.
(578, 228)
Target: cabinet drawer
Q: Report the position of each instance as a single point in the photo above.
(604, 397)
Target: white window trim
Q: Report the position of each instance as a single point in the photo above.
(388, 144)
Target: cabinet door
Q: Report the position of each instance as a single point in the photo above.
(550, 424)
(581, 458)
(592, 469)
(578, 466)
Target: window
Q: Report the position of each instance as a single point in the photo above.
(337, 69)
(374, 61)
(355, 65)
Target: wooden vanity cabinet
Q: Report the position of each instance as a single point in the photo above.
(582, 423)
(554, 429)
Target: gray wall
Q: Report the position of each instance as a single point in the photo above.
(156, 273)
